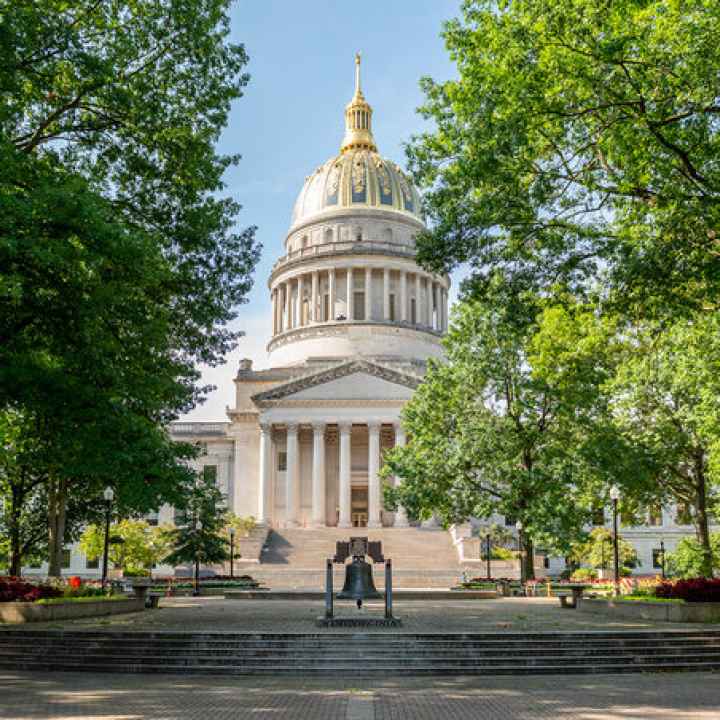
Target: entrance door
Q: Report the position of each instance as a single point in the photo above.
(359, 507)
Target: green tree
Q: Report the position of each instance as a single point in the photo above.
(688, 560)
(512, 423)
(597, 551)
(579, 138)
(135, 545)
(198, 537)
(666, 403)
(119, 263)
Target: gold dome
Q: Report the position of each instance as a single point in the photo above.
(358, 177)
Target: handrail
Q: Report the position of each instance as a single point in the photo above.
(314, 251)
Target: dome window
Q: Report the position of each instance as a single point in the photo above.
(328, 235)
(359, 235)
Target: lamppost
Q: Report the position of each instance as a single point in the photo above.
(108, 496)
(662, 558)
(232, 551)
(519, 528)
(615, 496)
(487, 557)
(198, 528)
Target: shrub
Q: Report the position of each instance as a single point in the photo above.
(583, 574)
(14, 589)
(693, 590)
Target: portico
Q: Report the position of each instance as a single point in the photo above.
(325, 472)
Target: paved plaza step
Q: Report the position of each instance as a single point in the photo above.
(360, 653)
(295, 558)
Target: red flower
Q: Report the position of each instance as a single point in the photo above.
(75, 582)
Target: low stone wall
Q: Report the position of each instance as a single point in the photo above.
(658, 611)
(24, 612)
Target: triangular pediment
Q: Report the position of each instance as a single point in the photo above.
(353, 380)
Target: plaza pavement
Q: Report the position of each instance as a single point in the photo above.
(87, 696)
(218, 614)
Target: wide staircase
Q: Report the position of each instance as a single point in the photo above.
(295, 559)
(357, 654)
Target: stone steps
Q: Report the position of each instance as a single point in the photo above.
(295, 558)
(359, 653)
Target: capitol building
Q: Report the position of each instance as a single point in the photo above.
(354, 319)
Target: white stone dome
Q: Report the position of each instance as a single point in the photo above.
(356, 179)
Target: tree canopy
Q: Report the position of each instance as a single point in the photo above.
(120, 261)
(578, 142)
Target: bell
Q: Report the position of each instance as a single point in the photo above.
(359, 583)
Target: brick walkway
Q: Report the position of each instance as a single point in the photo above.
(82, 696)
(208, 613)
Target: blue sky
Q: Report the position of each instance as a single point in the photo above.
(291, 119)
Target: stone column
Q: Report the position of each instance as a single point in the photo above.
(331, 294)
(288, 305)
(264, 479)
(314, 299)
(430, 301)
(374, 490)
(403, 296)
(345, 500)
(368, 293)
(318, 475)
(444, 294)
(300, 298)
(292, 497)
(349, 303)
(418, 304)
(400, 516)
(386, 294)
(274, 312)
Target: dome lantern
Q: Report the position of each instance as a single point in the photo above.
(358, 119)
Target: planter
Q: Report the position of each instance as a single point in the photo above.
(24, 612)
(658, 611)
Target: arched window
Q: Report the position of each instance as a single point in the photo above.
(358, 234)
(388, 235)
(305, 241)
(328, 235)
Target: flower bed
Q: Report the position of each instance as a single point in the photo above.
(13, 589)
(692, 591)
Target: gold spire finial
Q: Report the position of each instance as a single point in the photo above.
(358, 58)
(358, 118)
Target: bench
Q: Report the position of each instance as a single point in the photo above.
(570, 599)
(152, 599)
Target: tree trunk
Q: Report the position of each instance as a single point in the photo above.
(702, 529)
(16, 503)
(57, 503)
(528, 557)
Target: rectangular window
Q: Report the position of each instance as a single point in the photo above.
(282, 461)
(683, 515)
(92, 564)
(413, 311)
(210, 474)
(509, 521)
(598, 515)
(65, 559)
(655, 515)
(326, 309)
(546, 561)
(152, 519)
(358, 306)
(657, 558)
(179, 518)
(392, 307)
(202, 448)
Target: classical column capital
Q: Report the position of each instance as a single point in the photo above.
(318, 426)
(374, 426)
(345, 427)
(265, 427)
(292, 427)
